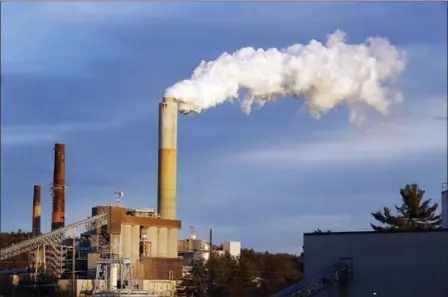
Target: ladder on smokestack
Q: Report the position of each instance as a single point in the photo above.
(311, 286)
(51, 238)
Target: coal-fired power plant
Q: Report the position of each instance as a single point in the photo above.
(147, 237)
(58, 190)
(167, 175)
(36, 210)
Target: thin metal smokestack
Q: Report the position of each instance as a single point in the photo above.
(166, 196)
(58, 191)
(36, 210)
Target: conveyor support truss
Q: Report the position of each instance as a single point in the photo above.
(51, 238)
(310, 286)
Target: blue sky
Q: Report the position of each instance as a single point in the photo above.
(91, 75)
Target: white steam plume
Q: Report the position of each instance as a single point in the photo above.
(322, 75)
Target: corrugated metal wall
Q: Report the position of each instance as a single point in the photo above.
(445, 209)
(388, 264)
(158, 268)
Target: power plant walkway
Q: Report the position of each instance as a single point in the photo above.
(311, 285)
(51, 238)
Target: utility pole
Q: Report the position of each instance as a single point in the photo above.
(210, 274)
(211, 242)
(74, 263)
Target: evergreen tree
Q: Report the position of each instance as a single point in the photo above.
(414, 213)
(195, 282)
(253, 274)
(9, 238)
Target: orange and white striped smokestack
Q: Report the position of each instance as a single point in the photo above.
(166, 196)
(36, 210)
(58, 213)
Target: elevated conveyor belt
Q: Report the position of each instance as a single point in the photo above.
(311, 285)
(51, 238)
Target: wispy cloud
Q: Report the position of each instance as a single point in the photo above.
(27, 134)
(414, 133)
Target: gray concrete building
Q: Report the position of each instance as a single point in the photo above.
(404, 264)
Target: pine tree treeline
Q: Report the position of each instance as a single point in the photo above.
(253, 274)
(414, 213)
(7, 239)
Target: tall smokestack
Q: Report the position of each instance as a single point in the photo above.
(166, 196)
(36, 210)
(58, 215)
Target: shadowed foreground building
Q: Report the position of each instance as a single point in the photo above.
(411, 264)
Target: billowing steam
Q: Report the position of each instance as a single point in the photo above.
(323, 75)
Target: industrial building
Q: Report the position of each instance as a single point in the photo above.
(232, 247)
(147, 237)
(411, 264)
(445, 206)
(141, 236)
(193, 250)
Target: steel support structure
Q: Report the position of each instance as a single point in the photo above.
(51, 239)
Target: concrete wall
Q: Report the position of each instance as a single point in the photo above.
(158, 287)
(83, 286)
(173, 236)
(163, 242)
(135, 243)
(232, 247)
(153, 236)
(126, 241)
(388, 264)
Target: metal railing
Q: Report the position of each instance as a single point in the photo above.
(312, 286)
(320, 284)
(51, 238)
